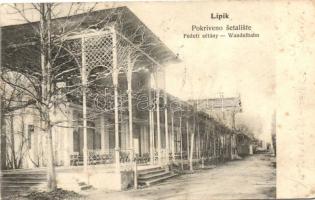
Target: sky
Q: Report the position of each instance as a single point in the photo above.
(244, 67)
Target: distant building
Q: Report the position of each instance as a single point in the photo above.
(222, 109)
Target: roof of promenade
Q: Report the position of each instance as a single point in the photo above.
(125, 21)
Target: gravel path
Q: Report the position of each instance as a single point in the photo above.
(251, 178)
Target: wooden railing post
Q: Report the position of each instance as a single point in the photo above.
(202, 162)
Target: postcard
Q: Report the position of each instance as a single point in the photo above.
(152, 100)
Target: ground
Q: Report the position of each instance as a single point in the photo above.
(251, 178)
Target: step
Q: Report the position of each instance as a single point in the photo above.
(21, 188)
(151, 172)
(154, 181)
(15, 187)
(23, 178)
(142, 171)
(23, 175)
(24, 172)
(86, 187)
(144, 181)
(10, 191)
(29, 170)
(14, 190)
(155, 175)
(17, 182)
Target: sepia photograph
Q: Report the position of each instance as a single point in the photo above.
(145, 100)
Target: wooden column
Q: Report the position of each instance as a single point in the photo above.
(198, 142)
(202, 139)
(173, 137)
(192, 143)
(129, 80)
(206, 142)
(191, 151)
(115, 84)
(201, 142)
(166, 128)
(151, 125)
(207, 130)
(158, 125)
(84, 111)
(187, 132)
(181, 142)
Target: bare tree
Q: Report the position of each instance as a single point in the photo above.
(13, 99)
(50, 68)
(16, 151)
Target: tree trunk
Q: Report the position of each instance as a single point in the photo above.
(51, 174)
(45, 39)
(2, 130)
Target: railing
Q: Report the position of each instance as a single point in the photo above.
(96, 157)
(185, 155)
(156, 157)
(75, 159)
(177, 156)
(142, 159)
(127, 157)
(100, 157)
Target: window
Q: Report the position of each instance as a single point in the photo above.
(30, 132)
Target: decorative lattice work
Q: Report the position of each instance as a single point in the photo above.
(98, 51)
(123, 49)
